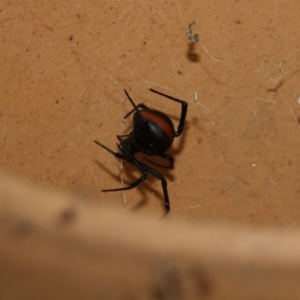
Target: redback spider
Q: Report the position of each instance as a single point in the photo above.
(153, 134)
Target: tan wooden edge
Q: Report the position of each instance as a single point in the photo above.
(56, 246)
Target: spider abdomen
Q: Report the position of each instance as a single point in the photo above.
(153, 131)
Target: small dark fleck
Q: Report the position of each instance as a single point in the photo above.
(238, 22)
(169, 283)
(202, 282)
(179, 72)
(22, 228)
(71, 38)
(67, 216)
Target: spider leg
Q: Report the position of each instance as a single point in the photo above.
(163, 184)
(184, 107)
(116, 154)
(142, 105)
(145, 170)
(130, 186)
(122, 136)
(131, 160)
(166, 156)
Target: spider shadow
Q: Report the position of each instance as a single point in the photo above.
(191, 53)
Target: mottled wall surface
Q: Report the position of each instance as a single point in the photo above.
(64, 66)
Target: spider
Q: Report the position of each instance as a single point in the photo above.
(153, 134)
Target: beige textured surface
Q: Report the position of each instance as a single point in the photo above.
(63, 70)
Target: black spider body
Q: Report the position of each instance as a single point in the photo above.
(153, 134)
